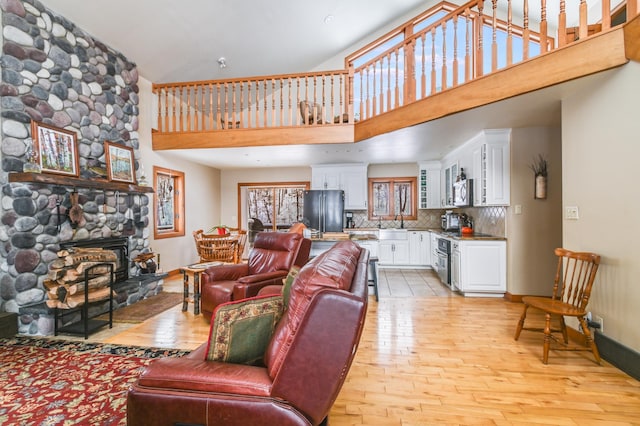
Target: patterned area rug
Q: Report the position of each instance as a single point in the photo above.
(56, 382)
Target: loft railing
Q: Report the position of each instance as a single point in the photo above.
(315, 98)
(476, 39)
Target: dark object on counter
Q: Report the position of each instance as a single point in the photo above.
(324, 210)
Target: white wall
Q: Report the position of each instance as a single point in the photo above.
(202, 191)
(537, 231)
(600, 152)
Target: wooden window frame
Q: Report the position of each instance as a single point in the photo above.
(177, 201)
(412, 214)
(248, 185)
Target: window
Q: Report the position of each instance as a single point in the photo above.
(169, 203)
(392, 198)
(276, 206)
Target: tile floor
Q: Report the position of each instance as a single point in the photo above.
(410, 283)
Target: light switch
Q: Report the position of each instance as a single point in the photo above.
(518, 209)
(571, 213)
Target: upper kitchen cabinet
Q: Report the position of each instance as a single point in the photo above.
(349, 177)
(449, 178)
(429, 185)
(491, 168)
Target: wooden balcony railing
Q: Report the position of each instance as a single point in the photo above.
(471, 41)
(249, 103)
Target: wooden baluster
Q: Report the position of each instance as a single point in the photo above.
(166, 108)
(298, 101)
(281, 103)
(241, 110)
(366, 107)
(494, 36)
(264, 103)
(234, 102)
(332, 110)
(509, 33)
(290, 102)
(218, 115)
(444, 56)
(374, 101)
(211, 127)
(525, 31)
(433, 60)
(455, 50)
(322, 111)
(423, 74)
(362, 116)
(583, 30)
(382, 108)
(397, 99)
(562, 25)
(389, 97)
(341, 109)
(188, 96)
(410, 71)
(479, 37)
(273, 102)
(176, 109)
(544, 42)
(606, 14)
(257, 104)
(468, 40)
(196, 110)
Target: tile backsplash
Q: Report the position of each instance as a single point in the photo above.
(488, 220)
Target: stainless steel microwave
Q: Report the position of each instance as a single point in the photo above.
(450, 221)
(463, 193)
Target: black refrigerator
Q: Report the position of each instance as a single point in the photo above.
(323, 210)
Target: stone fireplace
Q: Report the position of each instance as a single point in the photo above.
(55, 73)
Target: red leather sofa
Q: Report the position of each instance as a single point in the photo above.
(305, 364)
(270, 259)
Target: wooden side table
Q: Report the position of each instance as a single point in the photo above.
(195, 271)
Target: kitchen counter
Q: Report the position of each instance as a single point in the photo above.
(470, 237)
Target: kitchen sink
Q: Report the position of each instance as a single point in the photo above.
(392, 234)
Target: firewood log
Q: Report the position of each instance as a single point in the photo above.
(94, 296)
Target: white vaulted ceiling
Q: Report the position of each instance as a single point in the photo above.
(173, 41)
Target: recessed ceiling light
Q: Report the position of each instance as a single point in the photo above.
(328, 19)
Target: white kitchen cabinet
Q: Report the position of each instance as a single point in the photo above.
(455, 265)
(429, 185)
(482, 268)
(434, 250)
(349, 177)
(491, 169)
(419, 248)
(449, 177)
(370, 245)
(393, 252)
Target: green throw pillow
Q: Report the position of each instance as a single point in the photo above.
(286, 287)
(241, 330)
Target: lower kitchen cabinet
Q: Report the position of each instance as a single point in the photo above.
(419, 248)
(479, 268)
(370, 245)
(393, 252)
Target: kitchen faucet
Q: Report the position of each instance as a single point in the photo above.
(401, 220)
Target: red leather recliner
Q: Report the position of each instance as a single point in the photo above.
(270, 259)
(306, 362)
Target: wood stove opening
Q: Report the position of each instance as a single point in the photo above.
(118, 245)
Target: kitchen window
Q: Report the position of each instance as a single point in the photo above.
(393, 198)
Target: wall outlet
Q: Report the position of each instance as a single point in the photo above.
(571, 213)
(600, 321)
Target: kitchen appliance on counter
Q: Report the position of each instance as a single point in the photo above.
(323, 210)
(463, 193)
(450, 221)
(350, 223)
(444, 261)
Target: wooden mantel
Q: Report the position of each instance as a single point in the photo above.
(101, 184)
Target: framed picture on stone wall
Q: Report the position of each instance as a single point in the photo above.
(120, 162)
(57, 149)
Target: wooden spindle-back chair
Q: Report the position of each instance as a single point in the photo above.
(574, 279)
(213, 247)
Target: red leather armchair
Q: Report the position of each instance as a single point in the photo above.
(270, 259)
(305, 364)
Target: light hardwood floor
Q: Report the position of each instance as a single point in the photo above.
(428, 356)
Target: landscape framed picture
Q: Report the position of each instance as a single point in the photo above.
(120, 162)
(57, 149)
